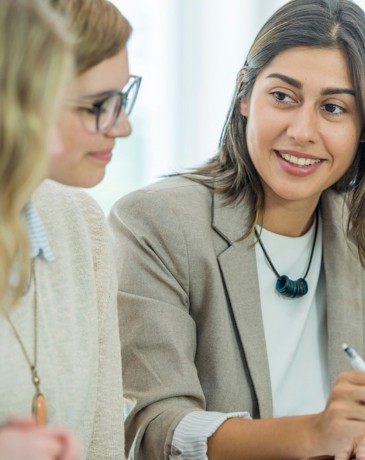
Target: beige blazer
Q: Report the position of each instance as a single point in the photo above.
(190, 318)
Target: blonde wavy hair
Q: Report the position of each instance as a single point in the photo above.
(99, 28)
(36, 64)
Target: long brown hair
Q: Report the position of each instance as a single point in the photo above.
(333, 24)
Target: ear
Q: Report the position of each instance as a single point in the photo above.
(240, 83)
(244, 108)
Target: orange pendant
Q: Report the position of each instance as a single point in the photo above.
(39, 409)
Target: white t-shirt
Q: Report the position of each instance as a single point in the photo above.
(295, 329)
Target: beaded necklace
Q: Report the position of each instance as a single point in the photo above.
(284, 285)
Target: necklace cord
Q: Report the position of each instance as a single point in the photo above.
(266, 254)
(32, 366)
(310, 258)
(313, 246)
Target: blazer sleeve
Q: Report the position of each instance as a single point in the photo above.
(158, 335)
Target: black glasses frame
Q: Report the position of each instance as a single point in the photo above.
(134, 82)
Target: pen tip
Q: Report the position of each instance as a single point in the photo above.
(345, 346)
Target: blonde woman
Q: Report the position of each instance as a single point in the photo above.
(35, 65)
(78, 336)
(29, 103)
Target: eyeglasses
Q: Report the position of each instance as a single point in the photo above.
(102, 115)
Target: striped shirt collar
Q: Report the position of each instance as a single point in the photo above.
(39, 244)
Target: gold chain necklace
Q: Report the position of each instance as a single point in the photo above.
(39, 407)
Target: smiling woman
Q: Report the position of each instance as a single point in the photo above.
(101, 97)
(87, 149)
(249, 271)
(303, 121)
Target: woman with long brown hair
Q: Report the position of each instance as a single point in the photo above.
(239, 282)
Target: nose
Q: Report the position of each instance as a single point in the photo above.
(303, 126)
(122, 127)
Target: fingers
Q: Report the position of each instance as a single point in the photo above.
(45, 446)
(355, 450)
(71, 444)
(347, 401)
(322, 457)
(21, 439)
(346, 454)
(350, 386)
(30, 444)
(343, 419)
(20, 422)
(360, 449)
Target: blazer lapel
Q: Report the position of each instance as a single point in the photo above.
(238, 267)
(343, 274)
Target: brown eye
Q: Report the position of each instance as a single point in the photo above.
(334, 109)
(282, 97)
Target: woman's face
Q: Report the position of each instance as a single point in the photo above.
(303, 124)
(85, 153)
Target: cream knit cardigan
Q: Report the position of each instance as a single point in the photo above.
(79, 351)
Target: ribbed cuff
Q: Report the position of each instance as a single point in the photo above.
(190, 440)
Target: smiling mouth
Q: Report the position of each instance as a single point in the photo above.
(298, 161)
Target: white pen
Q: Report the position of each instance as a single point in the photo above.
(355, 360)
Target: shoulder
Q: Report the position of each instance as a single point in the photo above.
(169, 216)
(67, 205)
(69, 214)
(56, 197)
(180, 195)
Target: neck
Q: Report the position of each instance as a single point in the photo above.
(291, 221)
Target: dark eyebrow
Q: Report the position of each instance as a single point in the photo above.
(289, 80)
(330, 91)
(298, 84)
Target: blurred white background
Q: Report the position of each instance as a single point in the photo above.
(188, 53)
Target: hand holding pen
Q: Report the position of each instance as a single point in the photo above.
(340, 428)
(356, 362)
(356, 447)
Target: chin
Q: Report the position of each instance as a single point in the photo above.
(90, 182)
(79, 178)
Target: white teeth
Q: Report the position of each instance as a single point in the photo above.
(298, 161)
